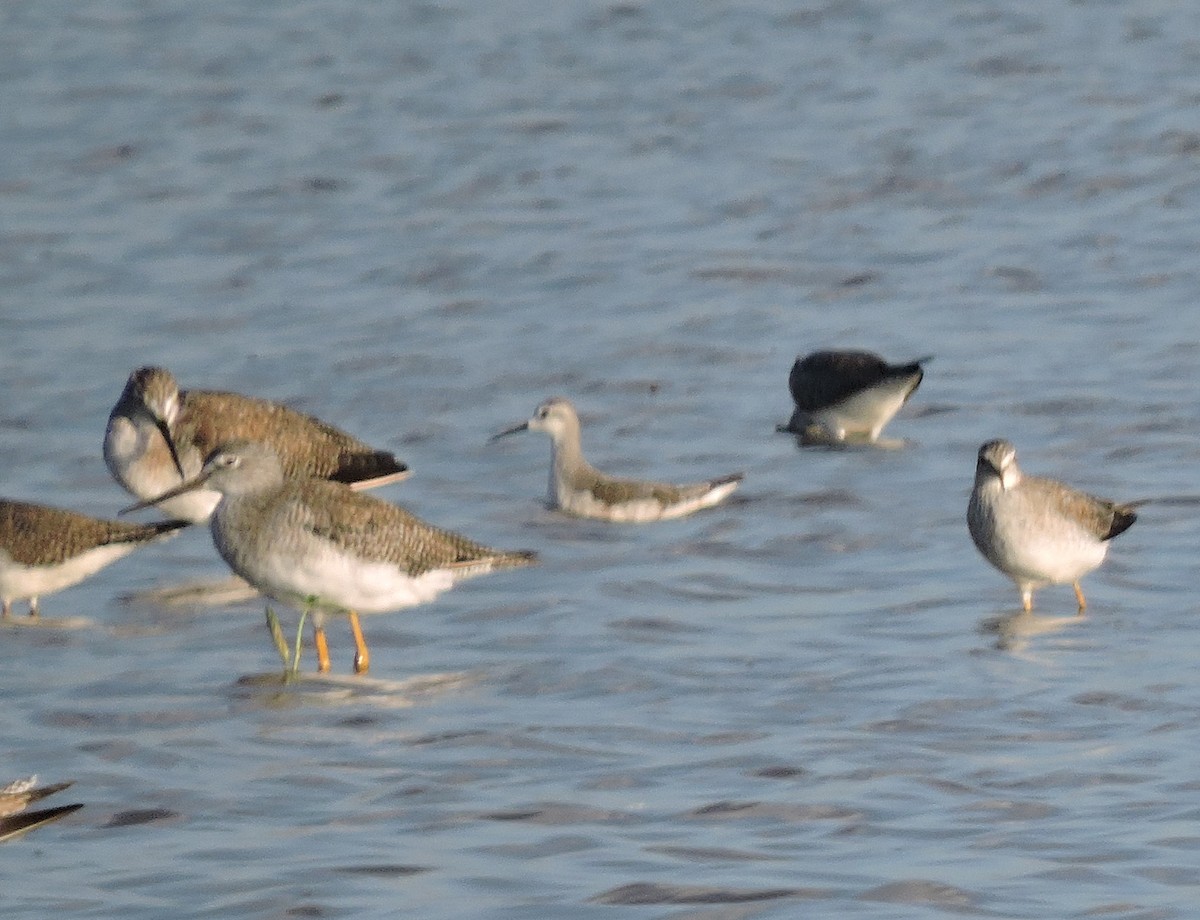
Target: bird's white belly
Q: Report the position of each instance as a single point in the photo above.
(139, 461)
(1052, 561)
(583, 503)
(1033, 550)
(20, 582)
(637, 511)
(310, 571)
(864, 413)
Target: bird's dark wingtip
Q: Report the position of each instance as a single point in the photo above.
(1123, 518)
(16, 825)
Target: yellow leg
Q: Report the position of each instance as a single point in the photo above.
(1027, 601)
(322, 648)
(362, 658)
(1079, 597)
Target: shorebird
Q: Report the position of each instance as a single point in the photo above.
(578, 488)
(321, 547)
(848, 395)
(45, 549)
(158, 436)
(19, 795)
(1039, 531)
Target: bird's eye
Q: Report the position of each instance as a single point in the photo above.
(543, 411)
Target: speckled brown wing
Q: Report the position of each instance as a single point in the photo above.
(825, 378)
(41, 535)
(306, 446)
(1101, 518)
(375, 530)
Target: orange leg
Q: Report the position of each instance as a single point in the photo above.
(322, 648)
(1079, 597)
(362, 658)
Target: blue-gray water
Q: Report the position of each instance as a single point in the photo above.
(417, 220)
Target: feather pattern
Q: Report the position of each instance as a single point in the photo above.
(159, 435)
(34, 534)
(320, 545)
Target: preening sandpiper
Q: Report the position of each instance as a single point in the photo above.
(158, 436)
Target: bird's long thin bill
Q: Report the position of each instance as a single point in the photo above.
(170, 493)
(166, 433)
(524, 426)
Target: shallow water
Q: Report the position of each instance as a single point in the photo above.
(419, 220)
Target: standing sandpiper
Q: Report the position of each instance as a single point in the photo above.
(158, 436)
(1038, 531)
(320, 546)
(578, 488)
(848, 395)
(44, 549)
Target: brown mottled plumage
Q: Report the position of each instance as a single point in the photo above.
(45, 549)
(305, 445)
(158, 435)
(320, 546)
(366, 528)
(41, 535)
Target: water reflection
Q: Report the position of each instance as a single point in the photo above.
(284, 690)
(197, 592)
(418, 219)
(816, 436)
(1015, 630)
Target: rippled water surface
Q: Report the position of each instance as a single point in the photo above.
(417, 220)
